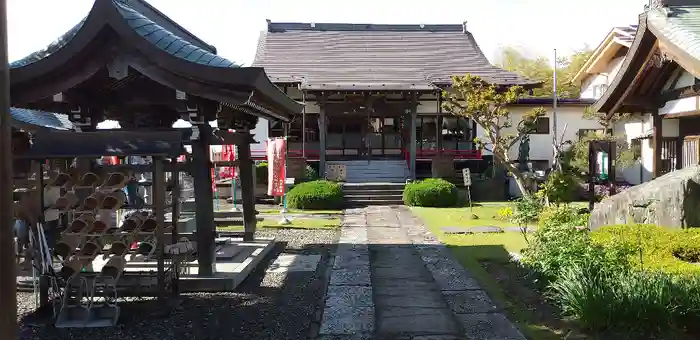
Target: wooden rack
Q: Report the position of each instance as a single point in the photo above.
(97, 263)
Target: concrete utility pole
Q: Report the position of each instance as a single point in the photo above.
(8, 280)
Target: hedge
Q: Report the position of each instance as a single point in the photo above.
(261, 173)
(319, 195)
(431, 192)
(655, 248)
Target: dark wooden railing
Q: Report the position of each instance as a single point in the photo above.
(669, 152)
(691, 151)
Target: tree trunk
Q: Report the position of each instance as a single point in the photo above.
(517, 175)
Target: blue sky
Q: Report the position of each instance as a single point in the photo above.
(233, 26)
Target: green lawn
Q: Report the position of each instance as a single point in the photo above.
(436, 218)
(300, 211)
(297, 223)
(471, 250)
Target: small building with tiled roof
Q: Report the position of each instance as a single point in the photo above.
(657, 85)
(599, 70)
(372, 92)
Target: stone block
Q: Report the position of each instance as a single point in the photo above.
(671, 201)
(469, 302)
(443, 167)
(339, 320)
(489, 326)
(359, 276)
(349, 296)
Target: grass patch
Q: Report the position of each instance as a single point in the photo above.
(487, 257)
(297, 223)
(461, 217)
(302, 211)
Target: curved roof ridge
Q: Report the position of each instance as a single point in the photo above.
(50, 49)
(168, 41)
(311, 26)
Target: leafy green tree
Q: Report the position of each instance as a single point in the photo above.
(487, 104)
(540, 69)
(576, 157)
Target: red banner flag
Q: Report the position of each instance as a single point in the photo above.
(228, 153)
(276, 163)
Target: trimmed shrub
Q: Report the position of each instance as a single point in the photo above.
(431, 192)
(687, 250)
(261, 173)
(561, 242)
(317, 195)
(527, 210)
(560, 187)
(652, 247)
(310, 173)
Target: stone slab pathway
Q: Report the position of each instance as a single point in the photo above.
(392, 279)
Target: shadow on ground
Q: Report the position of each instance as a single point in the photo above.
(517, 290)
(265, 306)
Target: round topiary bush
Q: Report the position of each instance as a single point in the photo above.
(432, 192)
(316, 195)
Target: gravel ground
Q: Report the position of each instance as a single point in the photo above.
(266, 306)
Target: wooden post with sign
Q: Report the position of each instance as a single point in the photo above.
(467, 177)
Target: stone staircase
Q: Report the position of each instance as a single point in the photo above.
(375, 171)
(364, 194)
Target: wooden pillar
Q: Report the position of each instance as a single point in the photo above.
(159, 201)
(412, 142)
(679, 152)
(8, 280)
(247, 191)
(439, 123)
(201, 171)
(657, 138)
(322, 140)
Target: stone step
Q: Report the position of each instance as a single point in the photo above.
(361, 202)
(376, 197)
(372, 191)
(232, 221)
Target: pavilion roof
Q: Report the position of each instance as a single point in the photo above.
(156, 47)
(377, 57)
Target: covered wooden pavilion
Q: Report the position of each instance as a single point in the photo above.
(128, 62)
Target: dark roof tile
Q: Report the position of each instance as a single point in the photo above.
(366, 56)
(165, 40)
(42, 119)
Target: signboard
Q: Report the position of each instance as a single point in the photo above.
(467, 177)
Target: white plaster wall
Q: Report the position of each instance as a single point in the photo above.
(640, 126)
(684, 105)
(569, 121)
(605, 77)
(261, 135)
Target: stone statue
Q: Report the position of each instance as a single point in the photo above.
(524, 153)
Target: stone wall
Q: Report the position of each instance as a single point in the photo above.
(443, 167)
(489, 190)
(296, 168)
(672, 201)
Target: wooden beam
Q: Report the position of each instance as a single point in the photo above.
(233, 138)
(680, 93)
(635, 81)
(657, 138)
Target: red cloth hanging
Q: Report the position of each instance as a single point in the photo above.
(111, 160)
(228, 153)
(276, 166)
